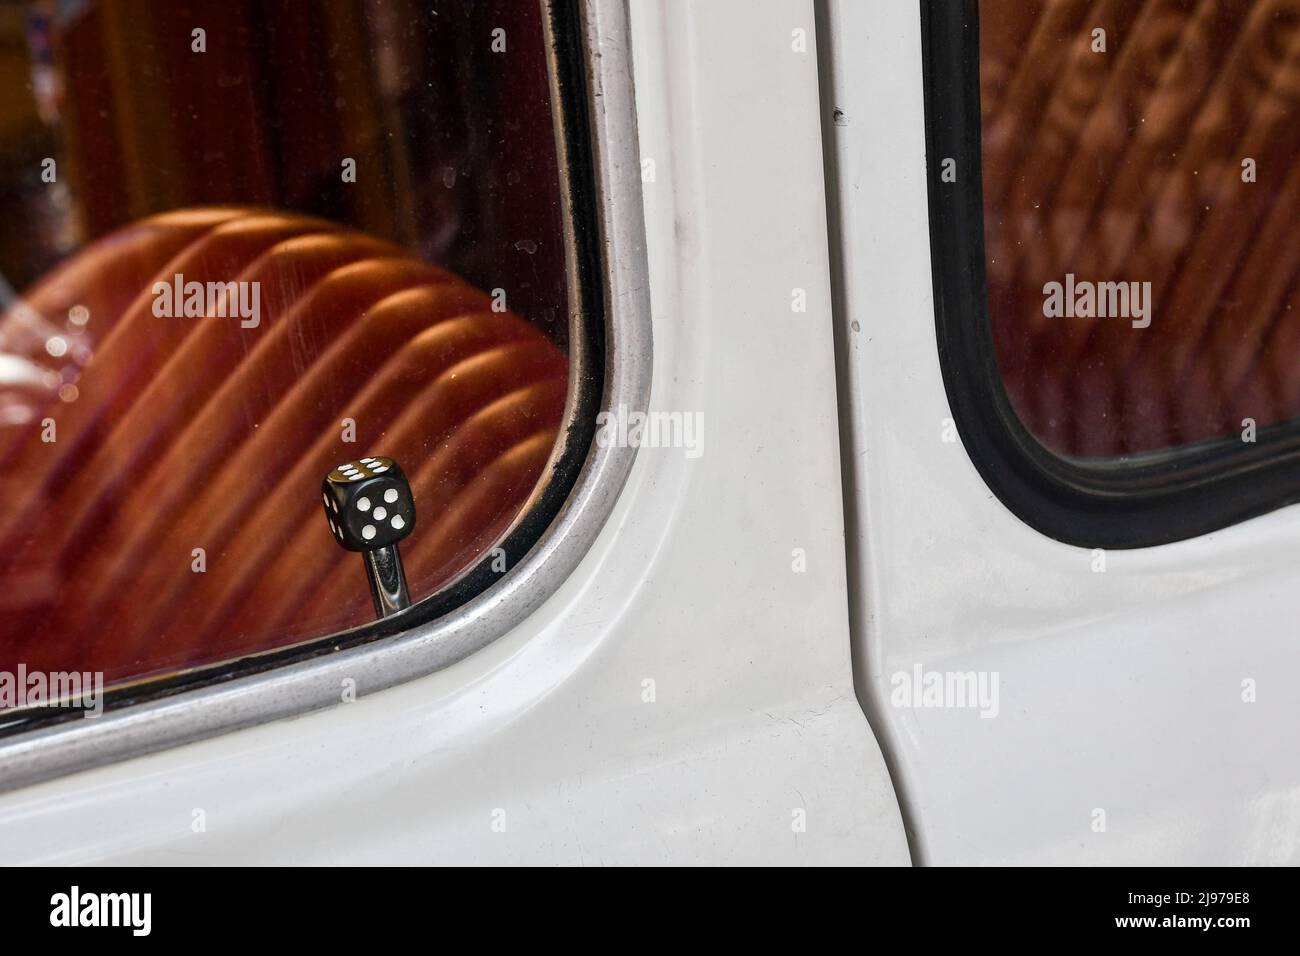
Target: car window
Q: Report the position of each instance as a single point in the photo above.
(1112, 194)
(1141, 190)
(247, 244)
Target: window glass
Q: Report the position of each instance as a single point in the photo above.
(1141, 193)
(246, 242)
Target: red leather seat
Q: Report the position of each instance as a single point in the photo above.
(197, 433)
(1126, 165)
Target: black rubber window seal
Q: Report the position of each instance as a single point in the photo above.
(1127, 502)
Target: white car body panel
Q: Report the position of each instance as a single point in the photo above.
(1120, 691)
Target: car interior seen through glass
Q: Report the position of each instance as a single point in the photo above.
(247, 244)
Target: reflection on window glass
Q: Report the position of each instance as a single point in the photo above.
(1141, 171)
(246, 242)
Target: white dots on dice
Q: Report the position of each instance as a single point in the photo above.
(379, 469)
(381, 513)
(390, 495)
(363, 504)
(368, 532)
(398, 523)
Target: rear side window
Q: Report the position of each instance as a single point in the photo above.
(1141, 201)
(245, 244)
(1114, 198)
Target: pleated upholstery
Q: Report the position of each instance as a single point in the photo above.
(198, 433)
(1127, 166)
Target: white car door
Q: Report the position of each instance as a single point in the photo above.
(686, 694)
(1127, 701)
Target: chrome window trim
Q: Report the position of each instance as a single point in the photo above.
(314, 684)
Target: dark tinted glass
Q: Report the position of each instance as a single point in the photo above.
(1141, 201)
(365, 195)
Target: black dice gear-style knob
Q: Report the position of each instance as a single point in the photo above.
(368, 503)
(370, 508)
